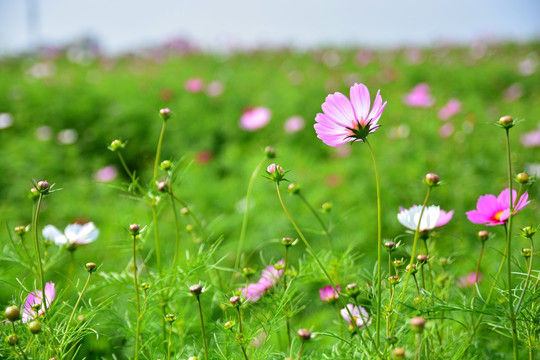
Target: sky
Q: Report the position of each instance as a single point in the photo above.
(122, 25)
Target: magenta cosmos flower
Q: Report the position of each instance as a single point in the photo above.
(253, 119)
(345, 120)
(34, 307)
(493, 210)
(420, 96)
(432, 217)
(328, 294)
(269, 277)
(359, 314)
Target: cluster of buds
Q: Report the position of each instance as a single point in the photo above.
(394, 280)
(411, 268)
(528, 232)
(398, 263)
(275, 173)
(21, 230)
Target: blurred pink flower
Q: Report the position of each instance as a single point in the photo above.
(432, 217)
(531, 139)
(452, 107)
(446, 130)
(34, 306)
(328, 294)
(419, 96)
(345, 120)
(194, 85)
(106, 174)
(528, 66)
(255, 118)
(513, 92)
(359, 314)
(215, 88)
(269, 277)
(363, 57)
(294, 124)
(469, 280)
(493, 210)
(204, 157)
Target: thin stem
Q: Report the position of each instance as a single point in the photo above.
(29, 343)
(321, 266)
(241, 332)
(418, 346)
(137, 300)
(38, 252)
(170, 342)
(245, 218)
(301, 350)
(130, 174)
(318, 217)
(158, 151)
(156, 238)
(509, 249)
(477, 272)
(22, 354)
(202, 329)
(177, 229)
(379, 244)
(417, 287)
(287, 320)
(527, 280)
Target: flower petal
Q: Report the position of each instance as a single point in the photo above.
(360, 101)
(339, 109)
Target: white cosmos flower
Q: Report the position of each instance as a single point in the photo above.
(433, 217)
(74, 234)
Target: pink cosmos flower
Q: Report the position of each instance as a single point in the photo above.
(328, 294)
(106, 174)
(531, 139)
(194, 85)
(419, 96)
(269, 278)
(34, 307)
(215, 88)
(345, 120)
(294, 124)
(446, 130)
(272, 168)
(255, 118)
(360, 315)
(469, 280)
(493, 210)
(432, 217)
(452, 107)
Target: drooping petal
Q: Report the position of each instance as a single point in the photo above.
(523, 201)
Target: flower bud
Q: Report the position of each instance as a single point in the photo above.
(506, 121)
(394, 280)
(270, 152)
(170, 318)
(288, 242)
(390, 246)
(165, 114)
(184, 211)
(21, 230)
(275, 173)
(398, 353)
(134, 229)
(422, 259)
(398, 263)
(529, 231)
(294, 189)
(235, 301)
(248, 272)
(43, 186)
(418, 323)
(34, 194)
(522, 178)
(326, 207)
(166, 165)
(12, 313)
(352, 290)
(116, 145)
(162, 186)
(196, 289)
(483, 235)
(412, 268)
(34, 327)
(526, 253)
(229, 325)
(90, 267)
(432, 179)
(189, 228)
(145, 286)
(304, 334)
(12, 340)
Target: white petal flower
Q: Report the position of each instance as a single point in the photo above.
(74, 234)
(430, 217)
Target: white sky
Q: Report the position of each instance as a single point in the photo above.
(125, 24)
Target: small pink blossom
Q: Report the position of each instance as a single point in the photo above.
(345, 120)
(531, 139)
(215, 88)
(364, 57)
(452, 107)
(513, 92)
(328, 294)
(272, 168)
(419, 96)
(294, 124)
(359, 315)
(194, 85)
(106, 174)
(34, 306)
(446, 130)
(269, 278)
(469, 280)
(493, 210)
(255, 118)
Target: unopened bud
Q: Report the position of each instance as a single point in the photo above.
(275, 173)
(326, 207)
(418, 323)
(21, 230)
(165, 113)
(34, 327)
(522, 178)
(398, 263)
(235, 301)
(529, 231)
(288, 242)
(145, 286)
(526, 253)
(422, 259)
(352, 290)
(166, 165)
(43, 187)
(196, 289)
(412, 268)
(34, 193)
(229, 325)
(162, 186)
(184, 211)
(90, 267)
(193, 358)
(394, 280)
(304, 334)
(398, 353)
(248, 272)
(390, 246)
(189, 228)
(134, 229)
(270, 152)
(116, 145)
(12, 313)
(170, 318)
(444, 262)
(432, 179)
(506, 121)
(293, 188)
(12, 340)
(483, 235)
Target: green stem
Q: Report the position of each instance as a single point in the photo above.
(321, 266)
(241, 331)
(509, 250)
(319, 219)
(156, 238)
(527, 280)
(301, 350)
(287, 320)
(477, 272)
(202, 329)
(158, 152)
(22, 354)
(176, 228)
(137, 300)
(245, 218)
(170, 342)
(379, 244)
(38, 252)
(130, 174)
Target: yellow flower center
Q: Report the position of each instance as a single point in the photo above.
(497, 215)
